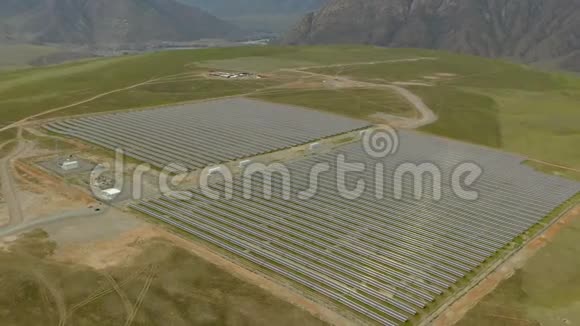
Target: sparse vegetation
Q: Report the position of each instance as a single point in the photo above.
(354, 102)
(183, 289)
(554, 170)
(490, 102)
(484, 101)
(543, 292)
(479, 100)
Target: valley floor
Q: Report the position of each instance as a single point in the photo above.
(476, 100)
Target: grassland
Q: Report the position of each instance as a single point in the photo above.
(180, 289)
(483, 101)
(554, 170)
(463, 115)
(7, 135)
(30, 91)
(18, 56)
(490, 102)
(354, 102)
(167, 93)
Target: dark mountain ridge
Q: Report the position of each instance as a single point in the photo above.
(529, 30)
(105, 22)
(231, 8)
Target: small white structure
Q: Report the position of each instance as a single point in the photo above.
(315, 147)
(69, 164)
(110, 194)
(217, 169)
(244, 163)
(362, 133)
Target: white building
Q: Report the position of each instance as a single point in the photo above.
(214, 170)
(69, 165)
(110, 194)
(244, 163)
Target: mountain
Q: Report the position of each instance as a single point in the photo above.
(529, 30)
(571, 62)
(106, 22)
(276, 16)
(231, 8)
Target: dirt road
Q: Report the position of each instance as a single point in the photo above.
(20, 122)
(9, 188)
(41, 223)
(425, 117)
(366, 63)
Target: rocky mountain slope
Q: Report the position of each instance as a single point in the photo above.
(232, 8)
(106, 22)
(530, 30)
(274, 16)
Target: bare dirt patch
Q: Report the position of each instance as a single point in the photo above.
(458, 309)
(336, 83)
(410, 83)
(104, 254)
(4, 217)
(121, 251)
(36, 180)
(42, 194)
(445, 74)
(301, 84)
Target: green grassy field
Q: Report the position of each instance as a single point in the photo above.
(354, 102)
(490, 102)
(453, 69)
(483, 101)
(463, 115)
(554, 170)
(31, 91)
(167, 93)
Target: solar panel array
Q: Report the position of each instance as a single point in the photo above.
(202, 134)
(384, 258)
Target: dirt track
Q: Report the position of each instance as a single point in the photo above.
(9, 188)
(426, 116)
(122, 249)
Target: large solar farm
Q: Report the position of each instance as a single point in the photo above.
(208, 133)
(384, 258)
